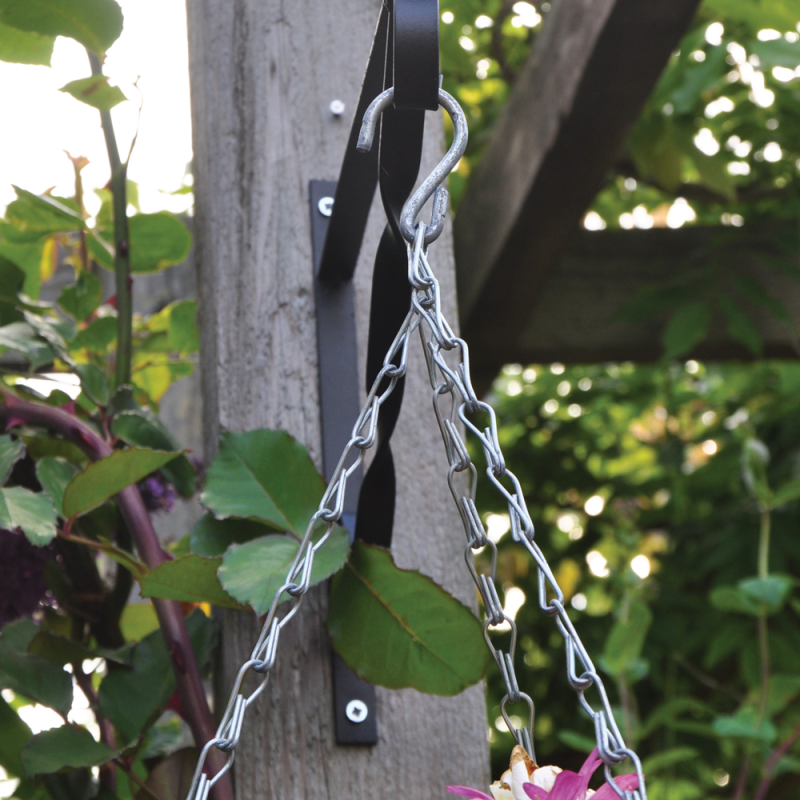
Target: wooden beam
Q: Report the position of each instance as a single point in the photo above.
(263, 75)
(574, 320)
(591, 70)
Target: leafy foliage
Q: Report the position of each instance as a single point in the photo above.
(399, 629)
(670, 571)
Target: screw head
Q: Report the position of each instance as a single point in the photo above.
(325, 206)
(356, 711)
(337, 108)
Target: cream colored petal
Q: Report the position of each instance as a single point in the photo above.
(500, 792)
(545, 777)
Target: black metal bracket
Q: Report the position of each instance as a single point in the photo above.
(405, 55)
(353, 699)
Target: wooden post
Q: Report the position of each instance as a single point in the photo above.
(263, 75)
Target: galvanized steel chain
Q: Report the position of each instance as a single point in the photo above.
(455, 404)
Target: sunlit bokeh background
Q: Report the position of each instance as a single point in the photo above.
(149, 62)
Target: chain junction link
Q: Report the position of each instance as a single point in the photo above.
(455, 405)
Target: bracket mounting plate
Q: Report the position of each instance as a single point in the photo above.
(353, 699)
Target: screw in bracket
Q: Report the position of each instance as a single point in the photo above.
(325, 206)
(356, 711)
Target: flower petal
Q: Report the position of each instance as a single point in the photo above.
(465, 791)
(570, 786)
(536, 792)
(625, 782)
(590, 765)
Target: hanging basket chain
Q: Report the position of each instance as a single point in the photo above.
(454, 403)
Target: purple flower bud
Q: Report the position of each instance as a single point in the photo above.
(157, 492)
(22, 584)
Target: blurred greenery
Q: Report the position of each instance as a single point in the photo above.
(663, 451)
(664, 495)
(721, 130)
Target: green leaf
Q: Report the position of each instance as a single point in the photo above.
(157, 241)
(144, 429)
(399, 629)
(11, 451)
(42, 214)
(686, 328)
(22, 47)
(15, 736)
(35, 678)
(783, 689)
(133, 698)
(744, 724)
(64, 748)
(697, 80)
(190, 579)
(20, 337)
(770, 592)
(252, 572)
(730, 598)
(95, 91)
(137, 621)
(27, 257)
(96, 24)
(99, 335)
(786, 494)
(264, 474)
(740, 326)
(55, 474)
(624, 644)
(33, 512)
(668, 758)
(576, 741)
(756, 14)
(212, 537)
(94, 383)
(100, 251)
(183, 333)
(82, 299)
(753, 596)
(655, 150)
(714, 173)
(776, 53)
(12, 279)
(56, 332)
(105, 478)
(19, 634)
(61, 650)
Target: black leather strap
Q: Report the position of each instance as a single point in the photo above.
(399, 159)
(405, 54)
(416, 54)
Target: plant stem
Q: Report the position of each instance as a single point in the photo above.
(763, 544)
(772, 762)
(741, 784)
(14, 411)
(763, 647)
(122, 266)
(763, 641)
(136, 779)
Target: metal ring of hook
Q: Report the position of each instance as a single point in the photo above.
(432, 185)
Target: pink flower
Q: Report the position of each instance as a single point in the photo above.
(568, 785)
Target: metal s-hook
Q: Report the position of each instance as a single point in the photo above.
(432, 185)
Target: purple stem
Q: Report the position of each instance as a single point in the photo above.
(187, 674)
(772, 762)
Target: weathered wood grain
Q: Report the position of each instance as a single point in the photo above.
(263, 75)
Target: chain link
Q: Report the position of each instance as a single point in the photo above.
(455, 405)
